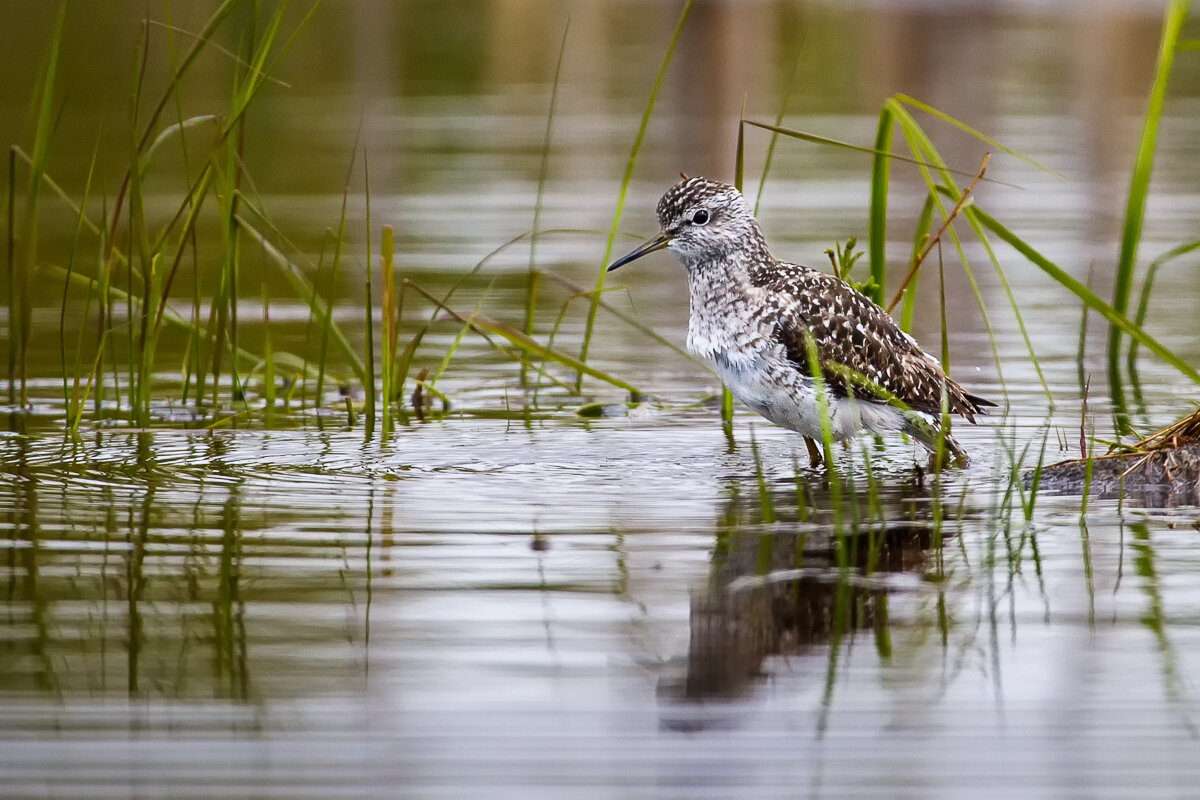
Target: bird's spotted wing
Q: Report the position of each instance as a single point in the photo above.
(861, 350)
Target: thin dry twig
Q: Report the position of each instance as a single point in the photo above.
(954, 212)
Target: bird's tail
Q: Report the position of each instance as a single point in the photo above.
(940, 444)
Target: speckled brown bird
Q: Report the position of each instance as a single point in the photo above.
(754, 317)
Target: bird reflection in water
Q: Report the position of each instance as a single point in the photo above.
(795, 588)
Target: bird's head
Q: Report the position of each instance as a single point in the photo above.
(699, 219)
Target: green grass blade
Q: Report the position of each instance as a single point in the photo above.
(1035, 480)
(766, 505)
(17, 154)
(949, 120)
(920, 237)
(1082, 292)
(739, 159)
(369, 313)
(942, 309)
(77, 413)
(149, 341)
(10, 249)
(921, 146)
(1139, 184)
(527, 345)
(488, 327)
(835, 483)
(815, 139)
(171, 317)
(268, 353)
(62, 319)
(339, 240)
(321, 310)
(880, 173)
(738, 179)
(405, 360)
(468, 325)
(1147, 287)
(21, 308)
(579, 291)
(783, 105)
(139, 251)
(255, 74)
(201, 40)
(531, 277)
(594, 308)
(194, 204)
(178, 129)
(390, 315)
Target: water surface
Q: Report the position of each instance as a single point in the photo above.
(640, 605)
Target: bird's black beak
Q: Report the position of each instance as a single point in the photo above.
(657, 243)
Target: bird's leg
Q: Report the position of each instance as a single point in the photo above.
(814, 453)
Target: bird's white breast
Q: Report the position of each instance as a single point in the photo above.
(754, 366)
(773, 388)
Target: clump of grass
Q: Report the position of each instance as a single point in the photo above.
(843, 257)
(138, 262)
(142, 262)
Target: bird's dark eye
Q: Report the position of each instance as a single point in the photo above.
(700, 217)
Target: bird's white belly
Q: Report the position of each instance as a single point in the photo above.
(783, 395)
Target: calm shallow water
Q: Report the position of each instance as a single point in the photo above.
(553, 605)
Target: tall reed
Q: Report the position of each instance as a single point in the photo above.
(594, 306)
(1139, 188)
(369, 314)
(532, 275)
(22, 253)
(391, 321)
